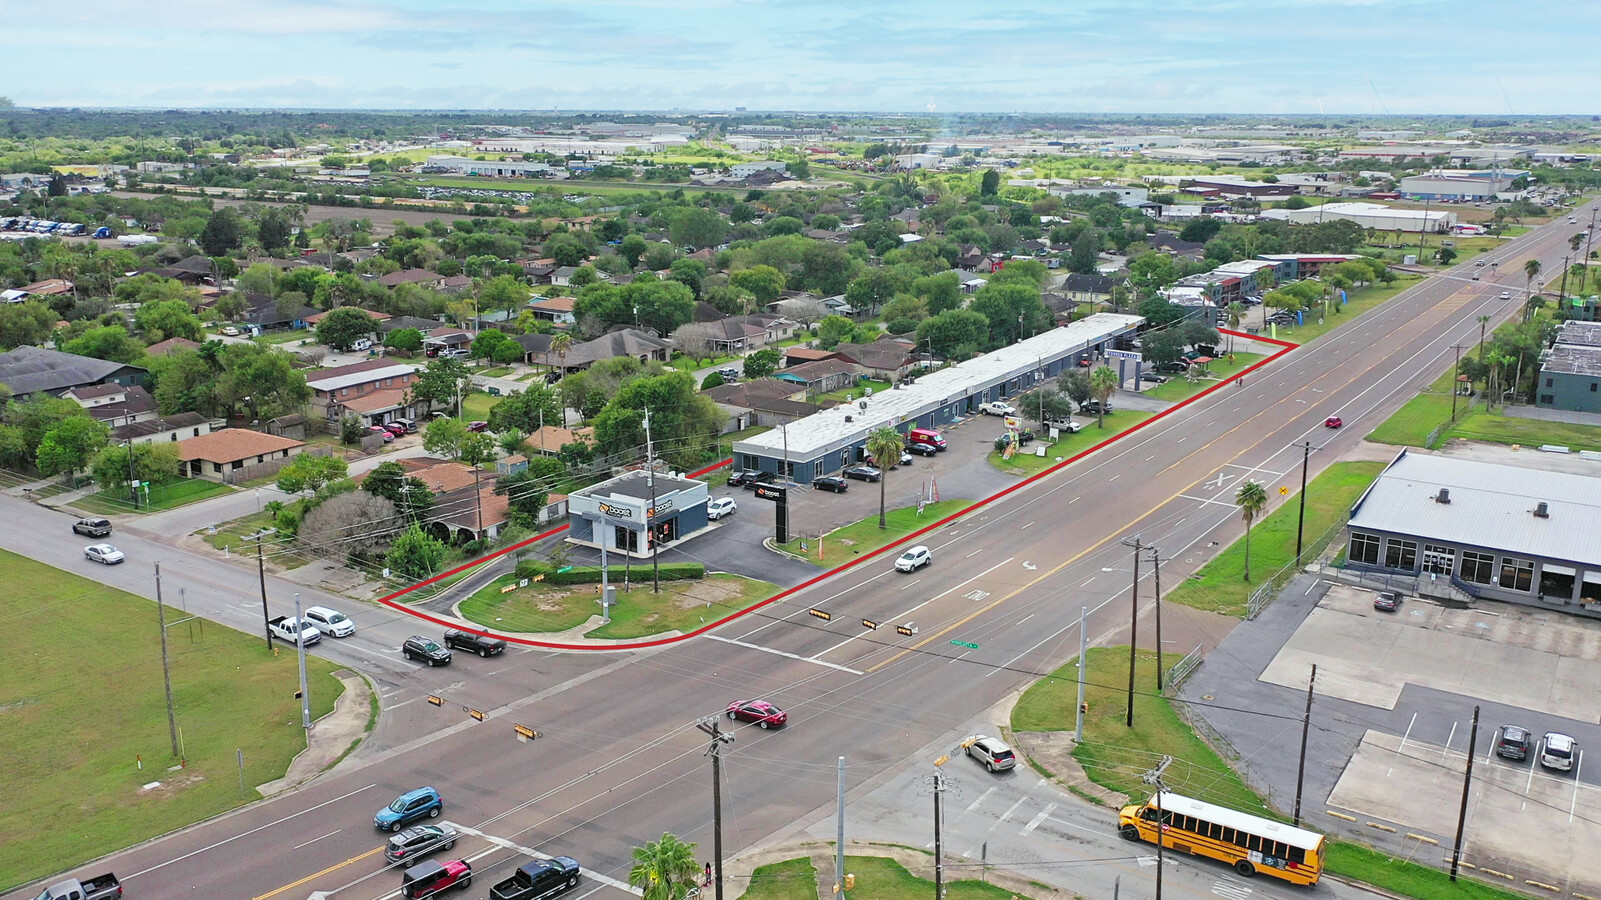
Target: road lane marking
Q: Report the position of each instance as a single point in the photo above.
(819, 603)
(739, 643)
(974, 553)
(1008, 814)
(909, 586)
(316, 839)
(590, 874)
(1025, 526)
(981, 798)
(294, 884)
(1035, 822)
(248, 833)
(400, 704)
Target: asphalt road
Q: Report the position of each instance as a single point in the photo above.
(620, 761)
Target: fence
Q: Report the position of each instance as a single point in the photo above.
(271, 466)
(1262, 596)
(1432, 441)
(1181, 670)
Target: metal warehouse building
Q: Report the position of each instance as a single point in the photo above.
(1474, 530)
(834, 438)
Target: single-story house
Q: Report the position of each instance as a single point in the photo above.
(548, 440)
(396, 323)
(822, 376)
(535, 346)
(114, 403)
(29, 370)
(553, 309)
(411, 276)
(794, 356)
(224, 455)
(446, 337)
(166, 429)
(1088, 288)
(642, 345)
(290, 426)
(162, 348)
(264, 315)
(885, 359)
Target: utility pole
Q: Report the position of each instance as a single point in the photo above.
(839, 837)
(1467, 782)
(650, 527)
(1154, 778)
(1133, 625)
(1306, 724)
(1156, 568)
(300, 651)
(1457, 365)
(715, 751)
(938, 782)
(1562, 292)
(166, 671)
(261, 573)
(1083, 639)
(1300, 520)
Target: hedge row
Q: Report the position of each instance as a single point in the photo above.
(591, 574)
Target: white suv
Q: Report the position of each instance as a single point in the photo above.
(1557, 751)
(914, 558)
(990, 751)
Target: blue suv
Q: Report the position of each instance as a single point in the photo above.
(409, 807)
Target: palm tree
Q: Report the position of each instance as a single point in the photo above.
(1251, 499)
(559, 345)
(1530, 269)
(885, 445)
(1103, 381)
(1235, 313)
(1484, 321)
(665, 869)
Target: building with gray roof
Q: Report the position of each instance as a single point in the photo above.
(1570, 371)
(1478, 530)
(32, 370)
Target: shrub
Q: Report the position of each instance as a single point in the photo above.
(591, 574)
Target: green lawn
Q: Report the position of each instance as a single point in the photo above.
(880, 878)
(1026, 463)
(495, 372)
(681, 606)
(1220, 586)
(229, 692)
(1407, 878)
(1178, 387)
(854, 392)
(475, 407)
(1362, 300)
(162, 496)
(1410, 425)
(1483, 425)
(792, 879)
(845, 544)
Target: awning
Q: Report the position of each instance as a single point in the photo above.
(1557, 570)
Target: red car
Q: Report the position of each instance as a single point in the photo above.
(379, 429)
(1332, 422)
(395, 428)
(476, 427)
(759, 711)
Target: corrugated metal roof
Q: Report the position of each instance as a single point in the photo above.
(1492, 506)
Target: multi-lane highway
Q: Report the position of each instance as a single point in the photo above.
(620, 760)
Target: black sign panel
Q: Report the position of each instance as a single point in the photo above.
(772, 492)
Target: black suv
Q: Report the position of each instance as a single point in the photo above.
(425, 649)
(1514, 742)
(485, 646)
(750, 478)
(92, 527)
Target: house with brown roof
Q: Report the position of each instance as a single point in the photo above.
(457, 515)
(738, 333)
(822, 376)
(446, 338)
(794, 356)
(558, 310)
(375, 390)
(377, 317)
(411, 276)
(761, 401)
(162, 348)
(233, 454)
(114, 404)
(884, 359)
(548, 440)
(642, 345)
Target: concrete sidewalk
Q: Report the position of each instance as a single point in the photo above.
(331, 736)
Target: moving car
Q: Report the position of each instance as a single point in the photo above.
(720, 507)
(758, 711)
(830, 483)
(330, 621)
(1387, 601)
(990, 751)
(100, 887)
(92, 527)
(1506, 295)
(914, 558)
(421, 803)
(1513, 742)
(418, 841)
(921, 449)
(1333, 422)
(1557, 751)
(538, 879)
(105, 554)
(472, 642)
(425, 649)
(294, 631)
(863, 473)
(431, 878)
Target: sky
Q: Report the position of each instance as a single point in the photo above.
(1156, 56)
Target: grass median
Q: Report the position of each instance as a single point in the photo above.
(1362, 300)
(1025, 462)
(1220, 585)
(91, 691)
(1178, 387)
(639, 611)
(860, 538)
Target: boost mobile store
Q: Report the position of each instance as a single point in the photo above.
(620, 511)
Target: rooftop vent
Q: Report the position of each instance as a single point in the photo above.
(1541, 510)
(1444, 496)
(850, 418)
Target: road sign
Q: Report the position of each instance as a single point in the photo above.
(1131, 355)
(772, 492)
(968, 644)
(564, 569)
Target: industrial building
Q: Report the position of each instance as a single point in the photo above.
(829, 440)
(501, 168)
(1459, 186)
(1570, 371)
(1470, 530)
(1369, 215)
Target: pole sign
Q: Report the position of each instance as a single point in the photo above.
(771, 492)
(1131, 355)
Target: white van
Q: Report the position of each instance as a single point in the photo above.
(361, 346)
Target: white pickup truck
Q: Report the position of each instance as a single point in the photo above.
(288, 628)
(997, 408)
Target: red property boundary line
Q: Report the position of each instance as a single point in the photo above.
(392, 601)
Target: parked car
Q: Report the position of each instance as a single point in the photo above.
(100, 887)
(92, 527)
(388, 435)
(538, 879)
(750, 478)
(729, 373)
(905, 460)
(863, 473)
(477, 427)
(720, 507)
(994, 754)
(914, 558)
(552, 377)
(1153, 378)
(330, 621)
(997, 408)
(395, 428)
(473, 642)
(830, 483)
(1093, 407)
(418, 841)
(759, 712)
(433, 877)
(1387, 601)
(105, 554)
(425, 649)
(1513, 742)
(1177, 368)
(1065, 426)
(1333, 422)
(1557, 751)
(927, 436)
(922, 449)
(420, 803)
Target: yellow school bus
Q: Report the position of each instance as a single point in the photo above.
(1250, 844)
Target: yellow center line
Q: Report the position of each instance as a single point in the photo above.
(295, 884)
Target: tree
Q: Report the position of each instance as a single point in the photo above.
(477, 448)
(664, 869)
(351, 431)
(405, 339)
(765, 283)
(1163, 346)
(684, 423)
(1200, 230)
(274, 228)
(832, 330)
(411, 496)
(488, 341)
(504, 292)
(885, 446)
(415, 554)
(632, 248)
(955, 334)
(1251, 499)
(151, 462)
(441, 383)
(694, 340)
(689, 273)
(989, 183)
(1013, 311)
(1199, 334)
(25, 324)
(262, 378)
(108, 342)
(1150, 272)
(1103, 381)
(825, 269)
(311, 473)
(1446, 255)
(762, 363)
(713, 379)
(354, 523)
(526, 410)
(445, 436)
(511, 440)
(802, 309)
(1530, 270)
(695, 226)
(224, 231)
(525, 498)
(1052, 406)
(163, 319)
(340, 328)
(71, 445)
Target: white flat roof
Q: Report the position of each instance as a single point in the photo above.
(828, 430)
(334, 383)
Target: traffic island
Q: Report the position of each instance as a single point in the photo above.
(1026, 461)
(879, 871)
